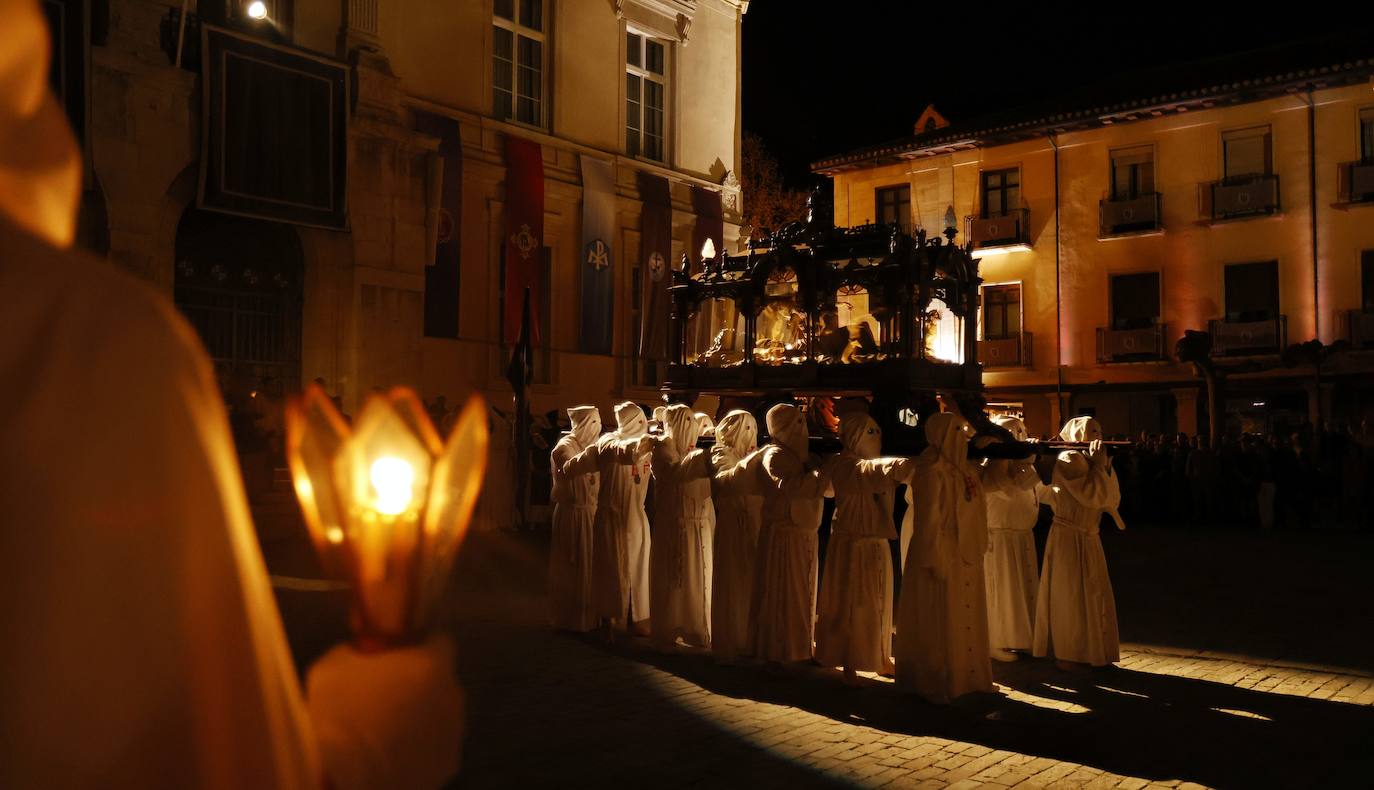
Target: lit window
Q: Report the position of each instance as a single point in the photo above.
(646, 91)
(1247, 153)
(1133, 172)
(1001, 192)
(1001, 311)
(894, 206)
(517, 62)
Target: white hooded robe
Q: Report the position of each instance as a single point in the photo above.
(1012, 566)
(574, 513)
(738, 512)
(854, 615)
(620, 539)
(684, 522)
(1075, 611)
(782, 612)
(142, 645)
(942, 620)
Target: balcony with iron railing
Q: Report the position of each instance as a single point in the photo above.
(1241, 338)
(1011, 229)
(1361, 329)
(1129, 215)
(1005, 352)
(1355, 181)
(1145, 344)
(1240, 197)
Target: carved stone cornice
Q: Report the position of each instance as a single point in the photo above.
(677, 13)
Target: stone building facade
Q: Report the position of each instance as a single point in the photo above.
(352, 313)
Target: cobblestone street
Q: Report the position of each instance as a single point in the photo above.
(548, 709)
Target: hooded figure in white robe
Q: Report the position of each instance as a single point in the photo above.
(942, 617)
(705, 427)
(854, 616)
(142, 643)
(684, 520)
(620, 533)
(574, 512)
(782, 613)
(1075, 609)
(737, 468)
(1011, 486)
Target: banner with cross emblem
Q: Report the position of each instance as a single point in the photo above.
(656, 245)
(597, 274)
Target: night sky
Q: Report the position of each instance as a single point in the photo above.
(817, 84)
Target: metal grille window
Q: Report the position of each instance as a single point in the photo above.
(1133, 173)
(646, 91)
(894, 205)
(238, 282)
(1247, 153)
(1001, 192)
(517, 64)
(1001, 311)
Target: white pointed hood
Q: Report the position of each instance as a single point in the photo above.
(586, 424)
(787, 428)
(1014, 426)
(739, 432)
(629, 420)
(40, 164)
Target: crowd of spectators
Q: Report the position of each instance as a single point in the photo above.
(1293, 478)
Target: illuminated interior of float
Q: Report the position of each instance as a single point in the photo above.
(817, 312)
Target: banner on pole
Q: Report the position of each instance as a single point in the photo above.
(524, 235)
(598, 262)
(655, 268)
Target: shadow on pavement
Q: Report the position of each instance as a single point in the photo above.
(1139, 724)
(546, 709)
(550, 710)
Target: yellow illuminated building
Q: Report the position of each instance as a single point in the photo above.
(1106, 231)
(648, 86)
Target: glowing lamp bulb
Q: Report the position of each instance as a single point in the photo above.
(708, 250)
(394, 482)
(257, 10)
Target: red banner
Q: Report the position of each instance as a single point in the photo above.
(655, 266)
(710, 224)
(524, 234)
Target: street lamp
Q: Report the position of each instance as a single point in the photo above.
(386, 502)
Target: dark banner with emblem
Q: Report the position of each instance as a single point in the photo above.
(598, 271)
(524, 234)
(710, 225)
(441, 275)
(655, 273)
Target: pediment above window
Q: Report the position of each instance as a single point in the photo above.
(671, 19)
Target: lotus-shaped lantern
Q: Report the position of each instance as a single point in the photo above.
(386, 502)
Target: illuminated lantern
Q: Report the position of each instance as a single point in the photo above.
(387, 503)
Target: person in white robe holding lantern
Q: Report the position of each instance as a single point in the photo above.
(1075, 609)
(942, 620)
(143, 645)
(782, 612)
(574, 513)
(1010, 486)
(684, 520)
(736, 466)
(854, 616)
(620, 531)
